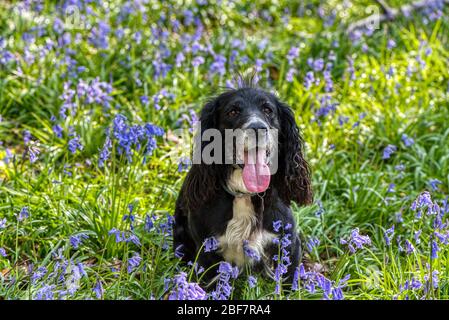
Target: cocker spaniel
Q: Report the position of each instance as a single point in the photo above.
(242, 198)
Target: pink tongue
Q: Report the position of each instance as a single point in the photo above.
(256, 173)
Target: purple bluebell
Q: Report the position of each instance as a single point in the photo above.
(391, 44)
(99, 35)
(388, 235)
(149, 223)
(45, 293)
(210, 244)
(356, 241)
(119, 235)
(2, 252)
(290, 74)
(98, 289)
(38, 274)
(76, 240)
(218, 66)
(407, 140)
(409, 248)
(57, 129)
(250, 252)
(312, 243)
(223, 289)
(434, 184)
(309, 80)
(144, 100)
(75, 144)
(277, 225)
(179, 253)
(184, 290)
(316, 64)
(105, 152)
(388, 151)
(424, 200)
(134, 262)
(252, 282)
(292, 54)
(23, 214)
(434, 249)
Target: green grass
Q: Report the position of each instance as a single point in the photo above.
(68, 194)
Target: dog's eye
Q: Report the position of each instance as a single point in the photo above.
(234, 112)
(267, 109)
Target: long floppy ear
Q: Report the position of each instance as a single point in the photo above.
(293, 177)
(202, 180)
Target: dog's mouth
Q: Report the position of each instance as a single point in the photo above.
(256, 172)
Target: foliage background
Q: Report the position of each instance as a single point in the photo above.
(374, 114)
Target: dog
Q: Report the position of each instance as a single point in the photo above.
(242, 205)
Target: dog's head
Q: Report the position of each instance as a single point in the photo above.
(260, 147)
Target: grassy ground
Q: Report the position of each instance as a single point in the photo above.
(85, 210)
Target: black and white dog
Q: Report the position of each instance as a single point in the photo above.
(237, 203)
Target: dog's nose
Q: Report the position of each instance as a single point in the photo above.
(259, 125)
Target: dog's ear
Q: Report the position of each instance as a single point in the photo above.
(202, 180)
(293, 176)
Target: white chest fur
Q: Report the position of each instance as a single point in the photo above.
(240, 228)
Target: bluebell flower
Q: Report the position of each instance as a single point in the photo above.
(23, 214)
(218, 66)
(252, 282)
(312, 243)
(184, 290)
(356, 241)
(134, 137)
(409, 248)
(149, 223)
(424, 200)
(134, 262)
(223, 289)
(2, 252)
(99, 35)
(210, 244)
(292, 54)
(277, 225)
(184, 163)
(434, 249)
(144, 100)
(407, 140)
(98, 289)
(75, 144)
(250, 252)
(179, 253)
(391, 187)
(316, 64)
(33, 153)
(38, 274)
(290, 74)
(308, 80)
(388, 151)
(26, 137)
(76, 240)
(391, 44)
(388, 234)
(3, 223)
(119, 235)
(45, 293)
(434, 184)
(57, 129)
(105, 152)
